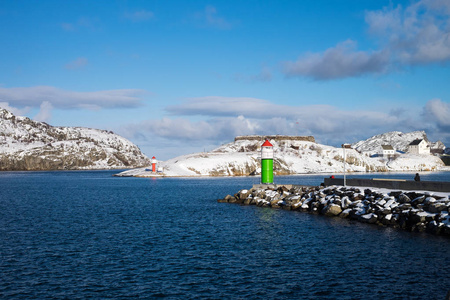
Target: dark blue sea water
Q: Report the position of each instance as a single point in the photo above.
(80, 235)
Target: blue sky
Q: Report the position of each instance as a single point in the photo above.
(177, 77)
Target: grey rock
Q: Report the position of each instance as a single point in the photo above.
(436, 207)
(332, 210)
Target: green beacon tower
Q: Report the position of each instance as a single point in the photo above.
(267, 163)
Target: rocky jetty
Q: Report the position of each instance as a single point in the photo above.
(412, 211)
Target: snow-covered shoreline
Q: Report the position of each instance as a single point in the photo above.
(242, 157)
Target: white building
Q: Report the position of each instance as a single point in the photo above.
(387, 150)
(419, 147)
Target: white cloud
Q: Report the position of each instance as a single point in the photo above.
(228, 117)
(210, 18)
(438, 112)
(16, 111)
(58, 98)
(416, 34)
(44, 114)
(214, 20)
(225, 106)
(255, 108)
(216, 129)
(78, 63)
(91, 24)
(436, 115)
(225, 118)
(338, 62)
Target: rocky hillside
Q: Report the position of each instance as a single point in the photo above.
(398, 140)
(297, 155)
(29, 145)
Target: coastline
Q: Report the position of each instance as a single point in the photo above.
(141, 173)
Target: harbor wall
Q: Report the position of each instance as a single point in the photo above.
(395, 184)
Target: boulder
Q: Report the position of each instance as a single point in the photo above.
(228, 198)
(369, 218)
(243, 194)
(276, 203)
(418, 217)
(418, 200)
(385, 211)
(282, 189)
(314, 206)
(382, 202)
(404, 206)
(345, 213)
(419, 227)
(429, 200)
(433, 227)
(386, 219)
(358, 196)
(331, 210)
(248, 201)
(403, 198)
(436, 207)
(395, 194)
(345, 203)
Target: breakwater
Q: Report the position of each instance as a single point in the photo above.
(392, 184)
(412, 211)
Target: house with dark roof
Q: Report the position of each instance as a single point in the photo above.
(387, 150)
(419, 146)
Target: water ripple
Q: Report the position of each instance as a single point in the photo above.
(84, 235)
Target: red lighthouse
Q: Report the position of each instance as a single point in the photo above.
(154, 164)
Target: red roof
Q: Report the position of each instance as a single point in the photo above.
(267, 144)
(153, 157)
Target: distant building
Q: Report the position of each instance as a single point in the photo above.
(419, 147)
(387, 150)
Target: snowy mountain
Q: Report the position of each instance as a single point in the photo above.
(29, 145)
(292, 155)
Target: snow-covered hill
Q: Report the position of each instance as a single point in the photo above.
(398, 140)
(293, 155)
(29, 145)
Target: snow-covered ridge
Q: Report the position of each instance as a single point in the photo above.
(29, 145)
(291, 156)
(398, 140)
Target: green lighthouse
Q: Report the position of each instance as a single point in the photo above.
(267, 162)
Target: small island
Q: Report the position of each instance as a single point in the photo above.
(303, 155)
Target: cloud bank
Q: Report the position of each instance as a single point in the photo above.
(20, 100)
(407, 36)
(222, 119)
(59, 98)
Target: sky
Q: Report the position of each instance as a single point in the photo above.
(178, 77)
